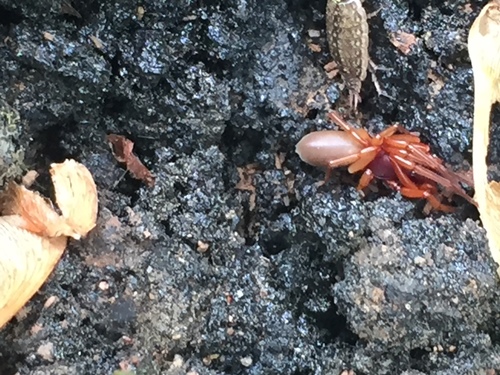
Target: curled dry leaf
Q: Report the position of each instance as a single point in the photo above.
(484, 51)
(403, 41)
(122, 149)
(33, 235)
(34, 213)
(76, 195)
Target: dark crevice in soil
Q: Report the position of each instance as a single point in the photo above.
(48, 145)
(241, 147)
(418, 359)
(9, 17)
(8, 365)
(335, 324)
(212, 65)
(245, 227)
(114, 61)
(78, 12)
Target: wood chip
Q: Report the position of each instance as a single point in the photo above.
(314, 47)
(202, 247)
(29, 178)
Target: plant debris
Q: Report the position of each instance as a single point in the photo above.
(122, 150)
(33, 235)
(403, 41)
(245, 183)
(484, 51)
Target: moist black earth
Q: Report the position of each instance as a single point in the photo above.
(237, 261)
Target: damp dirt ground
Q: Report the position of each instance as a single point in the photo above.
(236, 261)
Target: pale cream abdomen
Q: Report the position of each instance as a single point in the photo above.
(321, 147)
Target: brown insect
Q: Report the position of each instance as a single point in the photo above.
(347, 35)
(395, 155)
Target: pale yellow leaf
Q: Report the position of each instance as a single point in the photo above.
(76, 195)
(26, 260)
(484, 51)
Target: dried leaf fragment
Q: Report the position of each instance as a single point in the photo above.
(403, 41)
(122, 150)
(48, 36)
(437, 83)
(33, 235)
(245, 183)
(34, 213)
(26, 260)
(67, 8)
(97, 42)
(484, 52)
(76, 195)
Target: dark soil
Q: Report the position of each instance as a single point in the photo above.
(277, 276)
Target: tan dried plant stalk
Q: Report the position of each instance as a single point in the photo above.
(484, 51)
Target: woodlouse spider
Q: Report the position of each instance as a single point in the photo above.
(395, 156)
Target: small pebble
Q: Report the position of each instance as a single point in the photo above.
(246, 361)
(178, 361)
(419, 261)
(313, 33)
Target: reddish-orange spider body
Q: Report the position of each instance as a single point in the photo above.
(395, 156)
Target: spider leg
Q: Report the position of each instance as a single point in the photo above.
(410, 190)
(366, 156)
(424, 172)
(403, 130)
(434, 162)
(366, 179)
(389, 131)
(423, 148)
(403, 177)
(405, 135)
(426, 194)
(341, 162)
(401, 141)
(448, 181)
(360, 134)
(356, 162)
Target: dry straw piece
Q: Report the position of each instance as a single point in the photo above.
(484, 51)
(33, 235)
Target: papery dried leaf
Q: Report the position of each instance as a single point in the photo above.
(29, 178)
(76, 195)
(33, 235)
(67, 8)
(403, 41)
(35, 212)
(484, 51)
(26, 260)
(122, 150)
(490, 217)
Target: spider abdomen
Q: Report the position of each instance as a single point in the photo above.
(320, 147)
